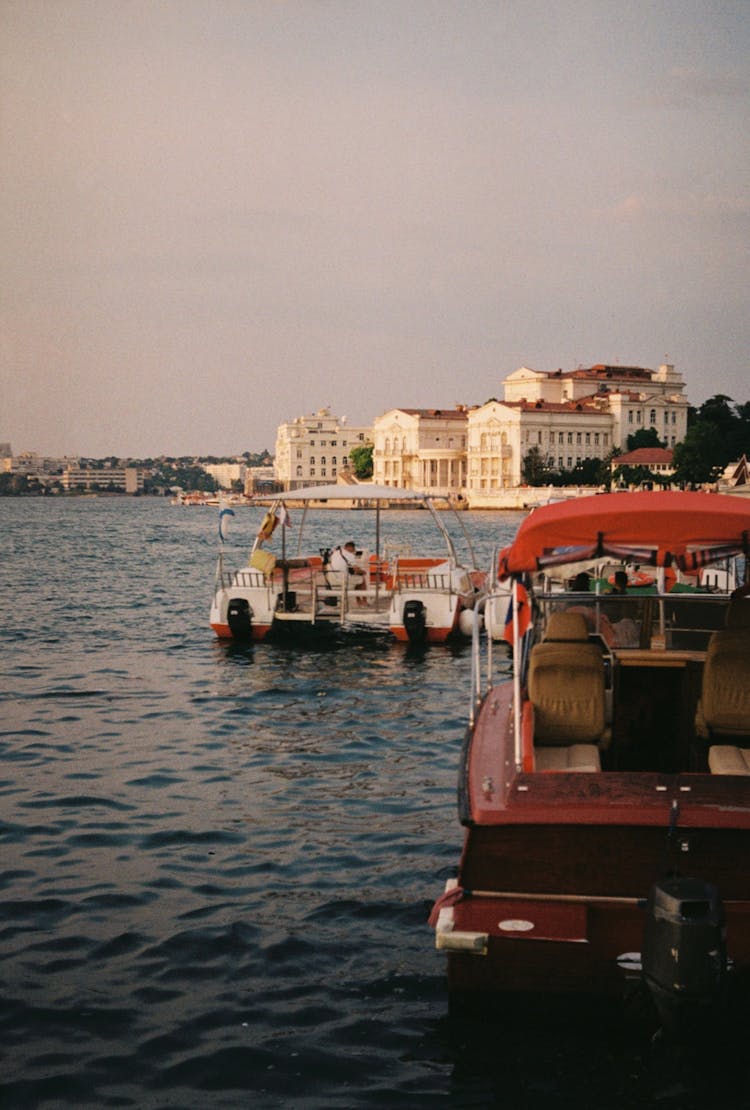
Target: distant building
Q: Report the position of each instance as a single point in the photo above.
(421, 449)
(314, 450)
(635, 397)
(656, 459)
(226, 474)
(261, 479)
(570, 418)
(129, 479)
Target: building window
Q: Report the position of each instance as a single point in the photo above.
(312, 460)
(560, 439)
(578, 440)
(588, 439)
(323, 460)
(630, 416)
(638, 416)
(539, 437)
(596, 439)
(560, 462)
(570, 463)
(312, 471)
(334, 461)
(653, 416)
(570, 437)
(606, 439)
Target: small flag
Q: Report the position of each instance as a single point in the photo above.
(524, 615)
(224, 515)
(283, 517)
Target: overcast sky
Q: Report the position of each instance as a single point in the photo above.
(217, 215)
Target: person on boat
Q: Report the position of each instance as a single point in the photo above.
(581, 583)
(344, 559)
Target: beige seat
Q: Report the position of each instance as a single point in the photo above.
(724, 708)
(566, 689)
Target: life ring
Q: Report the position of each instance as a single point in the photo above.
(635, 579)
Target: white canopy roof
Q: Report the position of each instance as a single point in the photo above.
(363, 491)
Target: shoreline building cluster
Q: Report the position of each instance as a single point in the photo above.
(569, 417)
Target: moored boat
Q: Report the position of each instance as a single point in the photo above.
(605, 778)
(386, 589)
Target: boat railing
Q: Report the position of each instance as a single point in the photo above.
(422, 580)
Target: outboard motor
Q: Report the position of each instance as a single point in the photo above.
(415, 621)
(684, 955)
(240, 618)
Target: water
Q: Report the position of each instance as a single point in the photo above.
(216, 862)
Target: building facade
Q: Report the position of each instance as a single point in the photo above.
(226, 474)
(314, 450)
(569, 418)
(421, 449)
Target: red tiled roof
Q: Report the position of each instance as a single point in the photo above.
(645, 456)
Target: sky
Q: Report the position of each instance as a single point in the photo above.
(218, 215)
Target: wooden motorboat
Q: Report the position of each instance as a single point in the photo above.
(605, 776)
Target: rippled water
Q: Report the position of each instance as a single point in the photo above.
(217, 862)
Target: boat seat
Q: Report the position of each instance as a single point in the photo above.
(571, 757)
(726, 759)
(566, 686)
(724, 706)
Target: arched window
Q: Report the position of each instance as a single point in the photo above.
(653, 416)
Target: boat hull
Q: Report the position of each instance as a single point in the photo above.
(561, 909)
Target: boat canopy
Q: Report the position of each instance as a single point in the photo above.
(687, 530)
(334, 492)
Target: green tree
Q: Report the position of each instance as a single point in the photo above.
(644, 437)
(534, 469)
(362, 460)
(701, 456)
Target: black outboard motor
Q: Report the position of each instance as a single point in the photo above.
(240, 618)
(684, 956)
(415, 621)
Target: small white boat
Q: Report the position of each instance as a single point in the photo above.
(426, 598)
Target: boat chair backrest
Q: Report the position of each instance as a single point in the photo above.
(724, 707)
(566, 684)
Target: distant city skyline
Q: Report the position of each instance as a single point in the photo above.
(218, 216)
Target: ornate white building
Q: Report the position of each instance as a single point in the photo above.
(313, 450)
(570, 417)
(421, 449)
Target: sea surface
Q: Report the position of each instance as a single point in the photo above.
(217, 862)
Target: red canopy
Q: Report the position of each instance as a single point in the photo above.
(687, 529)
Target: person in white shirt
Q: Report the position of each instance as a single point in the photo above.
(344, 560)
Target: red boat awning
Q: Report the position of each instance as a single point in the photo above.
(688, 530)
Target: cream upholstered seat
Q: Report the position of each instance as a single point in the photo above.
(566, 689)
(724, 708)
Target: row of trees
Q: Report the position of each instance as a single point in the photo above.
(718, 433)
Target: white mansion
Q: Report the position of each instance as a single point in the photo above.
(568, 416)
(313, 450)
